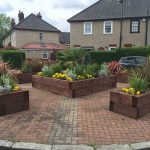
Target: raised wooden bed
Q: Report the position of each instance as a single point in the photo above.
(14, 102)
(25, 77)
(134, 106)
(76, 88)
(122, 77)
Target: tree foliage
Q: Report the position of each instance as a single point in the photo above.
(5, 25)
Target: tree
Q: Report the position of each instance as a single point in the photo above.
(5, 26)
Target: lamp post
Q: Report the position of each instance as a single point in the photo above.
(121, 22)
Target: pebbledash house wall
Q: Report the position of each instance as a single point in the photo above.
(36, 53)
(21, 37)
(98, 39)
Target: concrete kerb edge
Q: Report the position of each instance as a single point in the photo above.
(8, 145)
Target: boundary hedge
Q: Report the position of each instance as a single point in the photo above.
(107, 56)
(14, 57)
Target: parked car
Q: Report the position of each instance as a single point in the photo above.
(132, 61)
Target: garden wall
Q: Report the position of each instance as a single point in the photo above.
(76, 88)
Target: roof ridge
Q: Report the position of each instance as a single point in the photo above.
(69, 20)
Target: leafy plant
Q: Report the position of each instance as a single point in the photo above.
(92, 69)
(79, 69)
(47, 71)
(104, 71)
(56, 68)
(72, 57)
(137, 82)
(26, 67)
(7, 83)
(114, 67)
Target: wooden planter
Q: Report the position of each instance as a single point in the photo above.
(76, 88)
(25, 77)
(122, 77)
(14, 102)
(134, 106)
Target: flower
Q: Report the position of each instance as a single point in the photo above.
(16, 88)
(138, 93)
(39, 73)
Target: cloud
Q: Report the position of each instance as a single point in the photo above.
(6, 7)
(28, 0)
(68, 4)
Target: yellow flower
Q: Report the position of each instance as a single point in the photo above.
(138, 93)
(39, 74)
(16, 88)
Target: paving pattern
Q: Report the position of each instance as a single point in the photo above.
(54, 119)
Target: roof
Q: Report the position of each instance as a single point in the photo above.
(64, 37)
(43, 46)
(32, 22)
(111, 9)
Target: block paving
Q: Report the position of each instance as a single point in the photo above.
(54, 119)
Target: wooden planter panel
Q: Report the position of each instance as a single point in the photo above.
(14, 102)
(122, 77)
(25, 77)
(74, 89)
(130, 105)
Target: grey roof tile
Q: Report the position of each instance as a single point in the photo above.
(32, 22)
(111, 9)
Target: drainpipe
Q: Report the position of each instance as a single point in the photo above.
(146, 33)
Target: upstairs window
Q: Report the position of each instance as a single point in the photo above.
(108, 27)
(88, 28)
(41, 36)
(135, 26)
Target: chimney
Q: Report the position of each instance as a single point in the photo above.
(20, 16)
(13, 23)
(39, 15)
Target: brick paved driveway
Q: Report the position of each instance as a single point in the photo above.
(54, 119)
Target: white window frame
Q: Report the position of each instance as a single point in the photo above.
(45, 53)
(112, 47)
(85, 28)
(41, 34)
(104, 31)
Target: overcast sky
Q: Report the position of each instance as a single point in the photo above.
(56, 12)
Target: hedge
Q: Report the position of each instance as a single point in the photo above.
(14, 57)
(107, 56)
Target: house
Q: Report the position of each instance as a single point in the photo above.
(32, 32)
(99, 26)
(65, 38)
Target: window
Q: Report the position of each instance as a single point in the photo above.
(41, 35)
(88, 28)
(45, 55)
(135, 26)
(112, 48)
(108, 27)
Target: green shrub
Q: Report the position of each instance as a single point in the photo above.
(79, 69)
(137, 82)
(14, 57)
(108, 56)
(47, 71)
(26, 67)
(92, 69)
(56, 68)
(104, 71)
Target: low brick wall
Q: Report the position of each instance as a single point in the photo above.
(14, 102)
(76, 88)
(25, 77)
(134, 106)
(122, 77)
